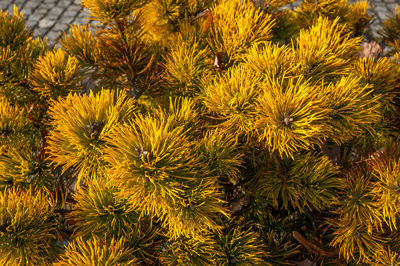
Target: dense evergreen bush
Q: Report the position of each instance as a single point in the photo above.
(187, 132)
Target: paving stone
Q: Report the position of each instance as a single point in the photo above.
(3, 4)
(392, 6)
(64, 3)
(18, 4)
(31, 24)
(46, 5)
(39, 32)
(81, 20)
(41, 11)
(383, 15)
(380, 5)
(66, 20)
(31, 4)
(26, 10)
(53, 16)
(56, 11)
(50, 43)
(381, 10)
(46, 23)
(60, 27)
(70, 13)
(53, 35)
(34, 18)
(76, 8)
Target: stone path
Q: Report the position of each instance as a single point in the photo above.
(48, 18)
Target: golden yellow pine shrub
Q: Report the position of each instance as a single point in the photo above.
(382, 75)
(353, 16)
(200, 132)
(20, 167)
(271, 60)
(325, 50)
(185, 66)
(81, 43)
(165, 16)
(16, 129)
(96, 251)
(117, 54)
(240, 246)
(81, 124)
(156, 167)
(356, 243)
(28, 227)
(305, 185)
(18, 53)
(231, 100)
(56, 74)
(289, 116)
(111, 10)
(353, 108)
(390, 31)
(187, 251)
(222, 154)
(386, 190)
(100, 212)
(236, 25)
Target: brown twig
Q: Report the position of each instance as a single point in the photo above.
(312, 248)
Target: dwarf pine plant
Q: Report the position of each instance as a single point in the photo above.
(201, 132)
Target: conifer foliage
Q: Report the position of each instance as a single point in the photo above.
(200, 132)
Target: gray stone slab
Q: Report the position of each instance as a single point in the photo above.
(64, 3)
(392, 7)
(41, 11)
(31, 24)
(70, 13)
(50, 2)
(60, 27)
(4, 4)
(32, 4)
(34, 18)
(39, 32)
(80, 21)
(50, 43)
(46, 23)
(54, 16)
(26, 11)
(53, 35)
(66, 19)
(56, 11)
(76, 8)
(383, 15)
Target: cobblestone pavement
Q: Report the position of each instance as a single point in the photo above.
(48, 18)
